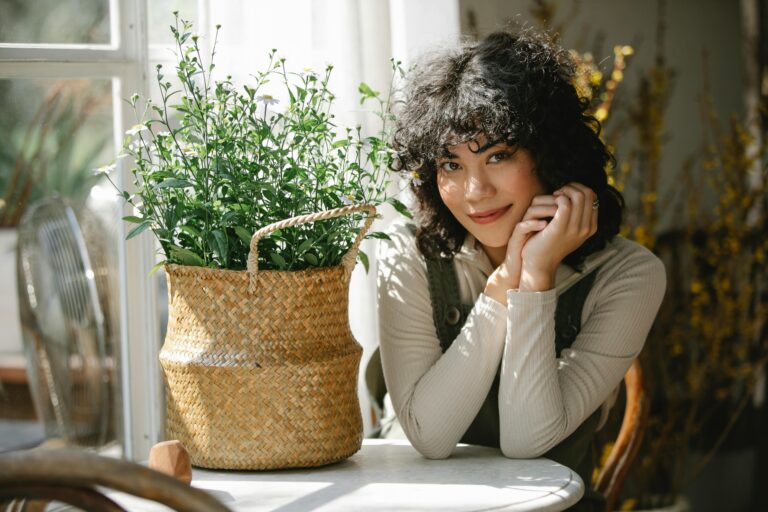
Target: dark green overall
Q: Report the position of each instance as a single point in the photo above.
(449, 315)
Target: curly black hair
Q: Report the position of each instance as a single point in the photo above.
(512, 88)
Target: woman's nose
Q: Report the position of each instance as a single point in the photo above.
(477, 187)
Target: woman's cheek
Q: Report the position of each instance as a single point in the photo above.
(451, 192)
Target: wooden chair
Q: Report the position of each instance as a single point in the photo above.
(611, 476)
(72, 476)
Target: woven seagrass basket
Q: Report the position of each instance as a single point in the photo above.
(261, 366)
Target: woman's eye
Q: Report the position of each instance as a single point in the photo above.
(498, 157)
(449, 166)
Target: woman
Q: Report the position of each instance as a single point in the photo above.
(511, 311)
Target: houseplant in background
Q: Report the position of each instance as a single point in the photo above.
(707, 350)
(257, 206)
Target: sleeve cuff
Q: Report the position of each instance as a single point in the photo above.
(517, 298)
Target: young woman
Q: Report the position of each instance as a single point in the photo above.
(511, 310)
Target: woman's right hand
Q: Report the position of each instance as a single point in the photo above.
(507, 275)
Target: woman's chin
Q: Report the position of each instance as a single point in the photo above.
(493, 242)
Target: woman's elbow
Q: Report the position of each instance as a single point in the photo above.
(435, 454)
(432, 450)
(520, 450)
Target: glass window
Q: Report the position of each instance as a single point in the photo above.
(56, 133)
(55, 22)
(160, 18)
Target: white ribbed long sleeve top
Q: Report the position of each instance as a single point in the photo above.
(542, 398)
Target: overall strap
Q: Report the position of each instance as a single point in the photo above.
(448, 313)
(569, 310)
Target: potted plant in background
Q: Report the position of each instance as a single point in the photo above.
(707, 350)
(258, 208)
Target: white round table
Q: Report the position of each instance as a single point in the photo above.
(389, 475)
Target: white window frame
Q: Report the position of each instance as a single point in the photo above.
(124, 62)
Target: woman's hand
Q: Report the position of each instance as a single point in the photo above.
(507, 275)
(573, 222)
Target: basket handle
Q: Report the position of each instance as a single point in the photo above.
(348, 260)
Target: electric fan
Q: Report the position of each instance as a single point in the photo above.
(63, 325)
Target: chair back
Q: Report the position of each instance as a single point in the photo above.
(83, 479)
(613, 473)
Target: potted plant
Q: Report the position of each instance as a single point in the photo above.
(259, 209)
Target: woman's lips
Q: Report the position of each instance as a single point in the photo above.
(489, 216)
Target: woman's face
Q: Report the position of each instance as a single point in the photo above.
(488, 191)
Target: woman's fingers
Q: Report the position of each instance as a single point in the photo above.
(563, 215)
(540, 212)
(543, 200)
(589, 214)
(582, 221)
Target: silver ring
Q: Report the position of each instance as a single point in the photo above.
(596, 204)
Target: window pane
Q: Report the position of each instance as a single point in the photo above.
(160, 18)
(55, 133)
(55, 21)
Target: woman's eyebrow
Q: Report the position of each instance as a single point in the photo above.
(491, 145)
(447, 154)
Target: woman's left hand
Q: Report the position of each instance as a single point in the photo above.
(574, 222)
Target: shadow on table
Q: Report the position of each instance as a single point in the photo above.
(402, 464)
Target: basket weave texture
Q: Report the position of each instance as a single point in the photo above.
(261, 367)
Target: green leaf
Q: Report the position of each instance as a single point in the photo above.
(379, 235)
(229, 218)
(157, 267)
(278, 260)
(191, 231)
(366, 92)
(243, 234)
(174, 183)
(186, 257)
(363, 259)
(304, 246)
(311, 259)
(400, 207)
(221, 245)
(133, 219)
(138, 230)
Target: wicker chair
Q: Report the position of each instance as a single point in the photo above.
(71, 476)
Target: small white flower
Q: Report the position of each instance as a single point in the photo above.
(189, 150)
(136, 129)
(267, 99)
(347, 199)
(416, 179)
(104, 169)
(163, 134)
